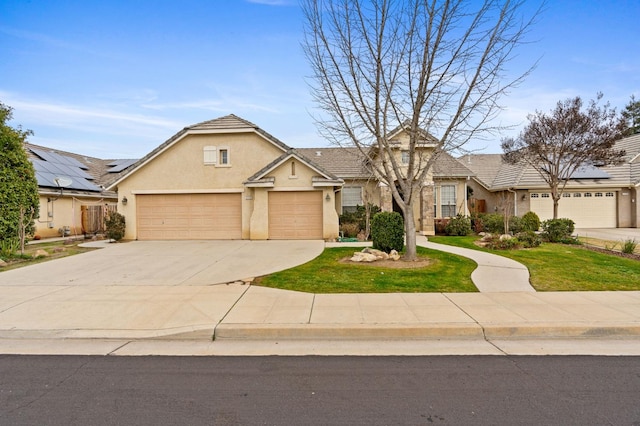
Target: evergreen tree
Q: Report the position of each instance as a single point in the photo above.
(631, 114)
(18, 184)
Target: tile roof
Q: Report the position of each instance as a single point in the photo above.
(344, 162)
(496, 175)
(228, 123)
(293, 153)
(348, 163)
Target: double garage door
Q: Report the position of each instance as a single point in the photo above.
(292, 216)
(587, 209)
(189, 216)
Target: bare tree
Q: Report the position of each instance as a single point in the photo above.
(429, 67)
(567, 140)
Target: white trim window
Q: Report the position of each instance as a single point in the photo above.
(448, 200)
(351, 198)
(216, 156)
(404, 155)
(223, 156)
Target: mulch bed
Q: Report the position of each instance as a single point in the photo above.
(612, 252)
(421, 262)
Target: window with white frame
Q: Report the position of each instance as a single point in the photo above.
(216, 156)
(224, 157)
(448, 200)
(405, 157)
(351, 198)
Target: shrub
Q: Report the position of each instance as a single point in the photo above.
(477, 224)
(387, 231)
(350, 229)
(496, 242)
(515, 225)
(357, 217)
(530, 222)
(558, 231)
(9, 247)
(441, 226)
(494, 223)
(629, 246)
(115, 226)
(529, 239)
(459, 225)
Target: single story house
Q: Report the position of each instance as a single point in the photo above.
(594, 197)
(71, 188)
(228, 179)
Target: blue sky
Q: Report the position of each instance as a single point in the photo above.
(114, 79)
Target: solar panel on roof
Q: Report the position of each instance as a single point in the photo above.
(52, 165)
(119, 165)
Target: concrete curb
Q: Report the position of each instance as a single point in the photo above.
(419, 331)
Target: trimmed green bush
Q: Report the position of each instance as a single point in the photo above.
(558, 230)
(494, 223)
(458, 226)
(530, 222)
(387, 231)
(515, 225)
(529, 239)
(115, 226)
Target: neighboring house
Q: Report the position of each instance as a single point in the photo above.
(227, 179)
(442, 195)
(595, 197)
(73, 200)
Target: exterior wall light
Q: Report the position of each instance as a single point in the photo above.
(327, 198)
(124, 201)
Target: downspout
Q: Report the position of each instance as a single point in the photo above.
(515, 201)
(466, 196)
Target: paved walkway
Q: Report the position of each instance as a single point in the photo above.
(493, 274)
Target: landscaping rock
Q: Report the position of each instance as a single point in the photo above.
(377, 253)
(359, 256)
(41, 253)
(394, 255)
(505, 237)
(3, 263)
(59, 249)
(486, 237)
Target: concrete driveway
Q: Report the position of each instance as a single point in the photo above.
(609, 234)
(145, 263)
(139, 289)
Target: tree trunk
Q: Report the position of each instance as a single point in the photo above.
(555, 207)
(410, 251)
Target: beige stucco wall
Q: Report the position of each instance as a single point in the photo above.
(181, 169)
(61, 212)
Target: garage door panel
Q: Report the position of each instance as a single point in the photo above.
(295, 215)
(597, 209)
(189, 216)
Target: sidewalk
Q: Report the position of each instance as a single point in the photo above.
(131, 311)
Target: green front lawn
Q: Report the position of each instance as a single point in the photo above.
(326, 274)
(559, 267)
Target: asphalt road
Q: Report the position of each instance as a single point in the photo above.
(75, 390)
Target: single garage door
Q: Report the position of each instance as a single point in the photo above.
(189, 216)
(587, 209)
(295, 215)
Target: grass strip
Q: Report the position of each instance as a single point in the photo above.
(327, 274)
